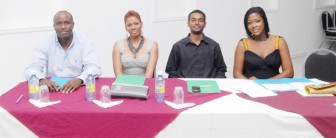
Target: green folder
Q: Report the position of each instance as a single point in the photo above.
(131, 79)
(206, 86)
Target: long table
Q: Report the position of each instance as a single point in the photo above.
(217, 114)
(76, 117)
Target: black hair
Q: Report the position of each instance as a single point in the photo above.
(262, 13)
(196, 11)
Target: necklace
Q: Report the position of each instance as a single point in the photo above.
(263, 38)
(132, 48)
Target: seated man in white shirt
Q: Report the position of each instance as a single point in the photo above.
(64, 54)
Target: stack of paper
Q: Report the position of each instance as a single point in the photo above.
(254, 90)
(289, 84)
(279, 85)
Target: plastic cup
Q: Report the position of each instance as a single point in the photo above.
(178, 95)
(105, 94)
(44, 93)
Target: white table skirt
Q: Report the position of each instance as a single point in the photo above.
(228, 116)
(232, 116)
(10, 127)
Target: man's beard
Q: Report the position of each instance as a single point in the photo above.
(197, 32)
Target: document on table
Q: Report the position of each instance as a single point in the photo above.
(317, 81)
(223, 84)
(254, 90)
(60, 81)
(206, 86)
(284, 84)
(300, 88)
(279, 87)
(291, 84)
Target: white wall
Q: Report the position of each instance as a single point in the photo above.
(103, 22)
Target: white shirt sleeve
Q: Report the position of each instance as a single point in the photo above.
(90, 61)
(39, 61)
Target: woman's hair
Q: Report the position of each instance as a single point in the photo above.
(132, 13)
(262, 13)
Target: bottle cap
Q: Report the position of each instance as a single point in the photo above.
(160, 72)
(33, 73)
(105, 87)
(89, 72)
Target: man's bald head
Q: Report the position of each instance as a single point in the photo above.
(63, 13)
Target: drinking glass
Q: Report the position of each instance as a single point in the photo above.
(105, 94)
(178, 95)
(44, 93)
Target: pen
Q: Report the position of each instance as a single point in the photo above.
(18, 100)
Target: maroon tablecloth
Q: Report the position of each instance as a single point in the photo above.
(319, 111)
(75, 117)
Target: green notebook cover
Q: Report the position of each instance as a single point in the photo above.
(207, 86)
(131, 79)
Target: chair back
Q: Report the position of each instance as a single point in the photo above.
(326, 21)
(335, 18)
(321, 64)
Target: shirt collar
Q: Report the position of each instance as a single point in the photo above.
(204, 39)
(72, 43)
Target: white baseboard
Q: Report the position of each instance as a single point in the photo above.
(26, 30)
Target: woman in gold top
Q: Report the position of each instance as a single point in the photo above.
(261, 54)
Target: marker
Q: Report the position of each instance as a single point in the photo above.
(18, 100)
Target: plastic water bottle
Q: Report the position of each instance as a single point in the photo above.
(90, 88)
(160, 87)
(33, 84)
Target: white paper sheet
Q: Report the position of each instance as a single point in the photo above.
(278, 87)
(319, 81)
(300, 86)
(254, 90)
(223, 84)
